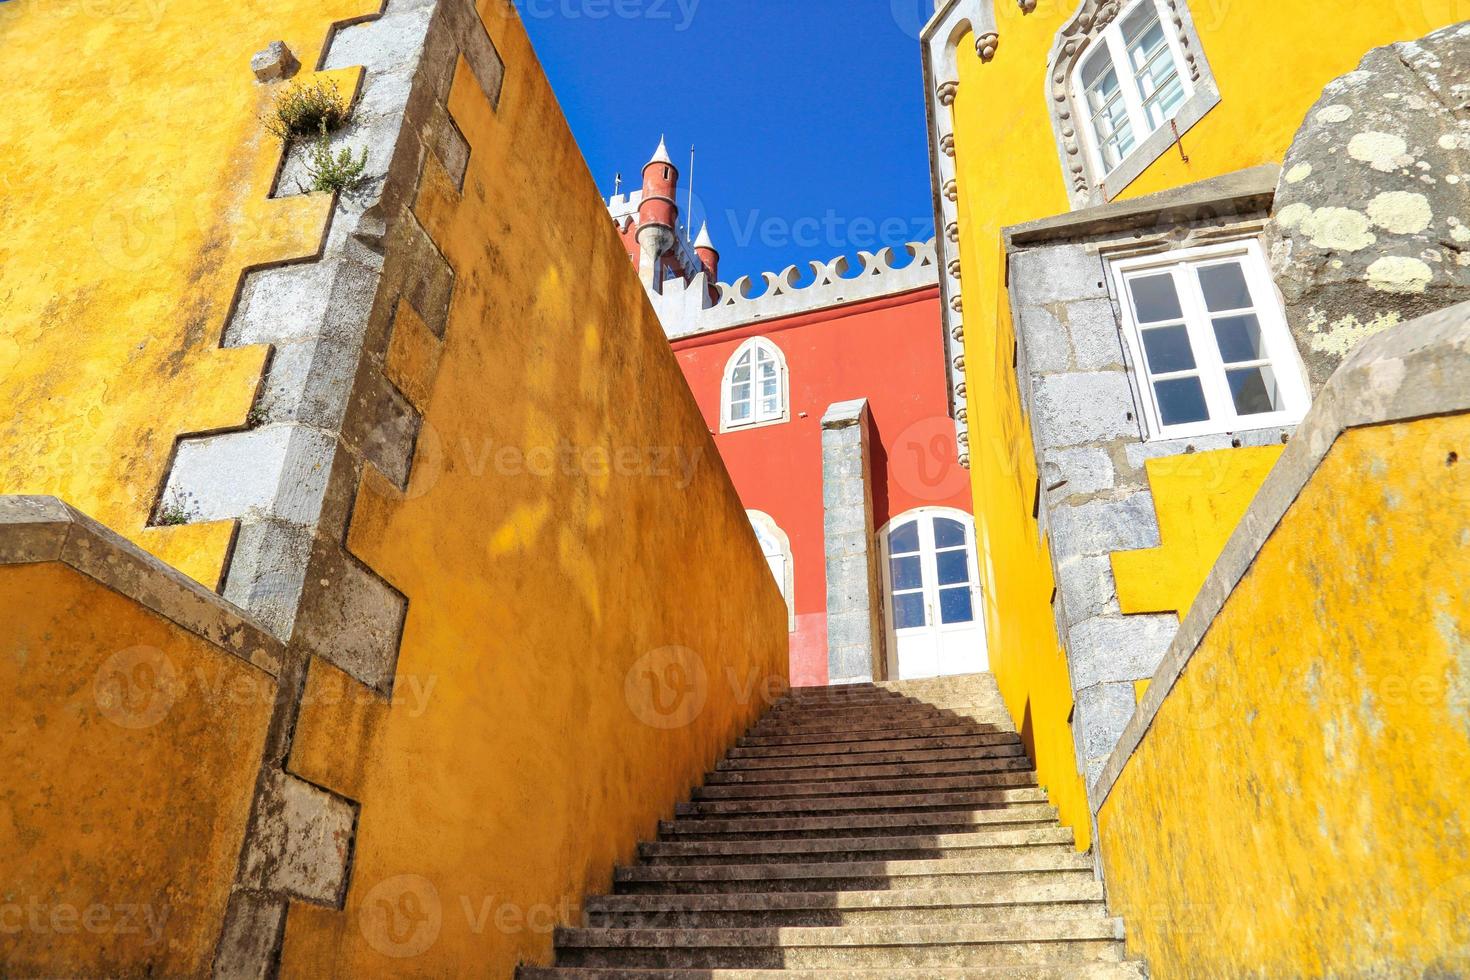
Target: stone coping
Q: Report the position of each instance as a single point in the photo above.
(44, 529)
(1415, 370)
(1242, 192)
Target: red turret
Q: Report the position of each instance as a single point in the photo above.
(709, 256)
(660, 190)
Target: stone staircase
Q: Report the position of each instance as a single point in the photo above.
(868, 831)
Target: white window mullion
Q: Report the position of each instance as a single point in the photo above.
(1202, 338)
(1291, 380)
(1128, 80)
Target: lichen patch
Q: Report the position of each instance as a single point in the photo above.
(1398, 274)
(1338, 229)
(1400, 212)
(1384, 152)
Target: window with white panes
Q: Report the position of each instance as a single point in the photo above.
(1211, 350)
(1129, 83)
(754, 386)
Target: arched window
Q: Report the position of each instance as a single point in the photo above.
(776, 546)
(1125, 80)
(754, 388)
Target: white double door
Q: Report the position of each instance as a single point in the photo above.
(933, 596)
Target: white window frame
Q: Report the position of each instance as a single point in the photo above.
(765, 526)
(757, 418)
(1089, 181)
(1112, 37)
(1285, 360)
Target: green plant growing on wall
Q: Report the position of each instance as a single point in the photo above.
(304, 110)
(334, 172)
(176, 511)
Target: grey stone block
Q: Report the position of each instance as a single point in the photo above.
(1103, 525)
(1109, 649)
(1102, 712)
(1044, 341)
(1077, 409)
(278, 470)
(254, 925)
(301, 841)
(1057, 272)
(1086, 588)
(274, 63)
(1085, 470)
(1093, 326)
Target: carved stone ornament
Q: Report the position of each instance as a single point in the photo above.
(986, 44)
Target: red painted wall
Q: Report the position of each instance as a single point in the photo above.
(889, 351)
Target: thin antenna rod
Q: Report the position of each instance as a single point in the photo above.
(689, 212)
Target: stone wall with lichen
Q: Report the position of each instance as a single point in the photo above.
(1371, 223)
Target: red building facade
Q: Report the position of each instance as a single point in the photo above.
(829, 401)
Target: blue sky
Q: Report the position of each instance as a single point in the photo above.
(808, 115)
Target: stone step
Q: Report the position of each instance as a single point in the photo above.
(894, 713)
(897, 757)
(751, 910)
(869, 787)
(1070, 971)
(889, 743)
(834, 805)
(968, 729)
(1042, 941)
(968, 708)
(870, 724)
(942, 767)
(849, 849)
(1015, 866)
(860, 824)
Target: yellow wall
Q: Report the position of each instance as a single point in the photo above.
(1199, 498)
(1298, 807)
(526, 752)
(1271, 63)
(130, 752)
(135, 192)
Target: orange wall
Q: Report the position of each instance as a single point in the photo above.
(130, 750)
(590, 621)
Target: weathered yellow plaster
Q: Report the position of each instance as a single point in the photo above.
(590, 621)
(1008, 172)
(131, 749)
(1199, 498)
(1298, 807)
(135, 195)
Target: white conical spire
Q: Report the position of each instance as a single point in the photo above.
(661, 155)
(703, 241)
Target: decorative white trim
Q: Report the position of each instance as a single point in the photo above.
(1087, 186)
(687, 310)
(952, 20)
(763, 522)
(728, 424)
